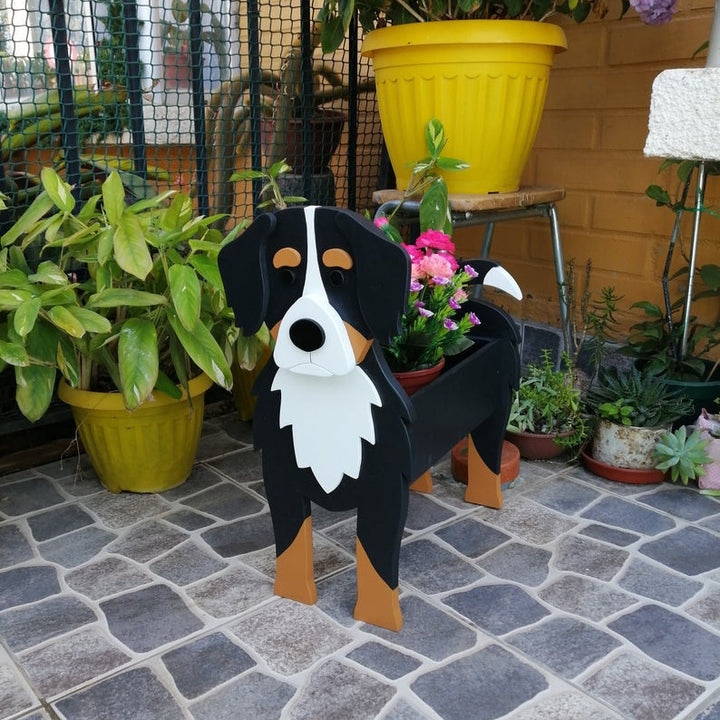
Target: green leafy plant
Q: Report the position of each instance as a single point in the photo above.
(682, 454)
(547, 402)
(630, 397)
(133, 301)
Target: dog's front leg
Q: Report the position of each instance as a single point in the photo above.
(292, 526)
(379, 532)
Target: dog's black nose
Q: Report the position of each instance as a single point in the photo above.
(307, 335)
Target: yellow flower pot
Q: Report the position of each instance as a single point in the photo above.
(148, 450)
(485, 80)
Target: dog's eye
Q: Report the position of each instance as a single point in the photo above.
(337, 278)
(287, 276)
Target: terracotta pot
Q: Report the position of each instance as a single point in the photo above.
(623, 475)
(537, 446)
(412, 380)
(509, 465)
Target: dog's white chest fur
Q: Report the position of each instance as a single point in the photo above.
(329, 417)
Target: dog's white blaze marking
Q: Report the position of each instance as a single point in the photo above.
(336, 356)
(329, 417)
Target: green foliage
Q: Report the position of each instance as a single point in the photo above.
(682, 454)
(131, 300)
(270, 189)
(548, 402)
(630, 397)
(336, 14)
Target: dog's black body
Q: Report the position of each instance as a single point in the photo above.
(369, 294)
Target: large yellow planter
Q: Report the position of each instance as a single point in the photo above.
(148, 450)
(485, 80)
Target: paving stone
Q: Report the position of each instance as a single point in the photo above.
(70, 465)
(530, 521)
(15, 696)
(77, 477)
(641, 690)
(586, 597)
(472, 538)
(241, 536)
(136, 694)
(710, 713)
(186, 564)
(518, 562)
(682, 645)
(14, 547)
(29, 625)
(322, 518)
(243, 465)
(58, 522)
(498, 609)
(337, 596)
(433, 569)
(218, 443)
(500, 683)
(629, 516)
(566, 706)
(566, 646)
(14, 477)
(189, 520)
(77, 547)
(203, 664)
(385, 660)
(683, 503)
(424, 512)
(337, 690)
(27, 584)
(106, 577)
(605, 486)
(690, 550)
(150, 617)
(120, 510)
(586, 557)
(345, 535)
(712, 523)
(653, 582)
(201, 478)
(564, 495)
(71, 660)
(225, 501)
(427, 631)
(402, 710)
(289, 636)
(26, 496)
(707, 608)
(232, 592)
(610, 535)
(255, 696)
(147, 541)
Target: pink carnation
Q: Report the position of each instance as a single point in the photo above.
(415, 255)
(460, 295)
(436, 240)
(381, 222)
(436, 265)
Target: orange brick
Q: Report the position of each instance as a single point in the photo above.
(577, 89)
(559, 129)
(587, 46)
(631, 213)
(623, 130)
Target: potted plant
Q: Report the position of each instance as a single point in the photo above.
(546, 417)
(682, 454)
(487, 50)
(133, 305)
(632, 410)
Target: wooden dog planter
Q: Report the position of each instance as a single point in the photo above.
(333, 424)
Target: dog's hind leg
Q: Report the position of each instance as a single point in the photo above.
(424, 483)
(483, 484)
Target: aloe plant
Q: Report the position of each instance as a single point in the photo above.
(132, 299)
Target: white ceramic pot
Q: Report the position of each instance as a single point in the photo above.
(625, 446)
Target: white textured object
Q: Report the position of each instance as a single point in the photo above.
(685, 115)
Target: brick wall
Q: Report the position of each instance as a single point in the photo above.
(591, 143)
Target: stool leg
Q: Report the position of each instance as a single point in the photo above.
(487, 239)
(559, 272)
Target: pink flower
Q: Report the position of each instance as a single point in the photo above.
(473, 318)
(425, 312)
(436, 265)
(470, 270)
(453, 303)
(460, 295)
(381, 222)
(437, 240)
(440, 280)
(449, 324)
(415, 255)
(415, 286)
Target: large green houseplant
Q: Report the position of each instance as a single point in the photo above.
(132, 302)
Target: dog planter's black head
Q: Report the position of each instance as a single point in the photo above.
(297, 270)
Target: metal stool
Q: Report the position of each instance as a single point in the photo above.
(489, 209)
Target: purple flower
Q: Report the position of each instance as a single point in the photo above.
(419, 304)
(473, 318)
(654, 12)
(470, 270)
(415, 286)
(440, 280)
(453, 303)
(449, 324)
(425, 312)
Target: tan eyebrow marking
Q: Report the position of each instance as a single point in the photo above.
(286, 257)
(335, 257)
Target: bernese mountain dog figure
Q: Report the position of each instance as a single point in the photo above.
(333, 424)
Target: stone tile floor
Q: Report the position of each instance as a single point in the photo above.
(580, 600)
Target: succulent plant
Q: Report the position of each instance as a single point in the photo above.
(682, 454)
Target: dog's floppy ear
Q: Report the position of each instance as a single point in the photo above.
(382, 274)
(244, 273)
